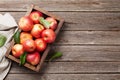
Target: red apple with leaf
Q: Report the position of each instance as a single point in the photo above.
(37, 30)
(52, 23)
(35, 16)
(49, 23)
(33, 58)
(25, 23)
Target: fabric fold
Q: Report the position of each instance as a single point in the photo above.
(7, 29)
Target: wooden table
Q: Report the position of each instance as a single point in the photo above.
(89, 40)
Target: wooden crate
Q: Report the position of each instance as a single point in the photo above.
(45, 53)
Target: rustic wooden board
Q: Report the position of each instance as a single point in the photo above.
(62, 5)
(84, 20)
(88, 53)
(89, 37)
(72, 68)
(64, 76)
(89, 41)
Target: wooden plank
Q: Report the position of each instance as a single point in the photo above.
(90, 20)
(72, 68)
(88, 53)
(62, 5)
(84, 20)
(88, 38)
(63, 76)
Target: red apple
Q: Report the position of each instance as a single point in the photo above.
(37, 30)
(25, 23)
(29, 45)
(33, 58)
(25, 36)
(17, 50)
(48, 35)
(53, 23)
(35, 16)
(40, 44)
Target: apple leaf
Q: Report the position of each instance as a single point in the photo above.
(44, 22)
(2, 40)
(55, 55)
(17, 37)
(23, 58)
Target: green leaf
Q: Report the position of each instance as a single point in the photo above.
(23, 58)
(55, 55)
(44, 22)
(2, 40)
(17, 37)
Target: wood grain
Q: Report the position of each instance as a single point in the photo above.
(72, 68)
(61, 5)
(88, 38)
(88, 53)
(84, 20)
(64, 76)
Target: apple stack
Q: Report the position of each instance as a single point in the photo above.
(36, 32)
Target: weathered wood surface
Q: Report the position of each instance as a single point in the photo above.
(89, 40)
(62, 5)
(88, 53)
(73, 68)
(64, 76)
(89, 37)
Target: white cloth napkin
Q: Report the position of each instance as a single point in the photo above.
(7, 28)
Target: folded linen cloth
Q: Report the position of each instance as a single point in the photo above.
(7, 28)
